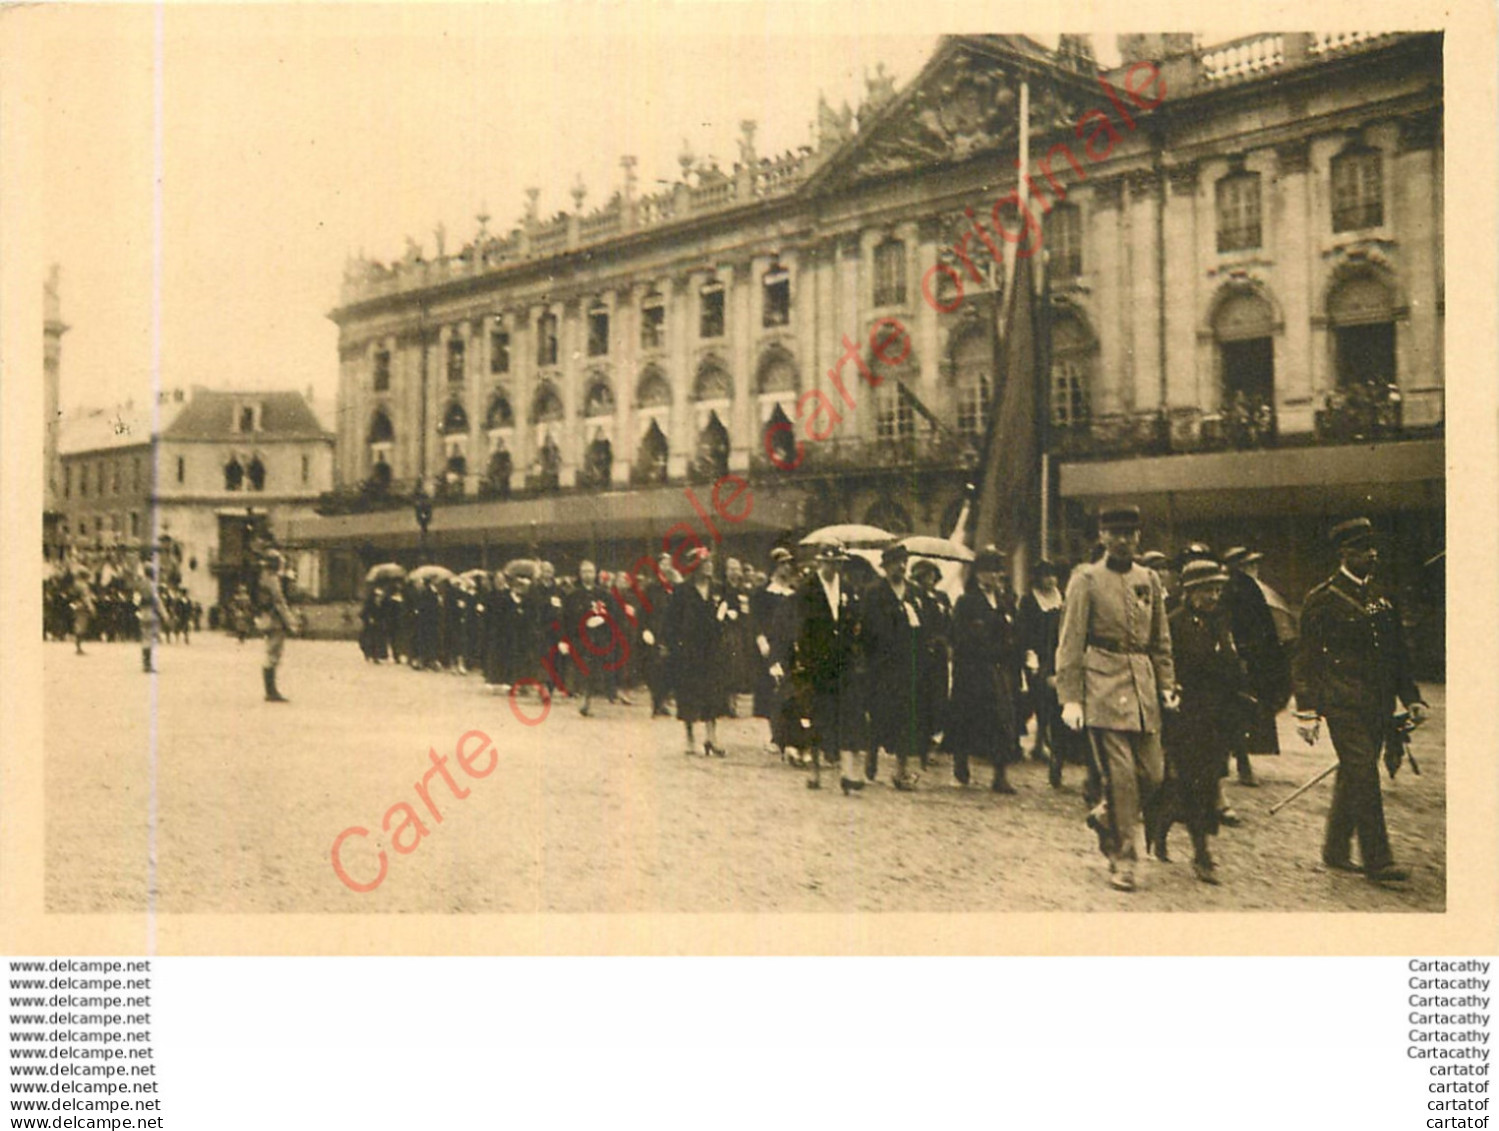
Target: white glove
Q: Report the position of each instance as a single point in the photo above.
(1171, 700)
(649, 637)
(1032, 662)
(1309, 727)
(1072, 715)
(764, 646)
(565, 648)
(777, 672)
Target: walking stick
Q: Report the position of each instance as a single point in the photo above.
(1279, 805)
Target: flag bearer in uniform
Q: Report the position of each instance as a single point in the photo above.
(1114, 675)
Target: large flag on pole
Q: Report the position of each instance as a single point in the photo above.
(1005, 508)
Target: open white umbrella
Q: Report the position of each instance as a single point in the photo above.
(939, 549)
(853, 535)
(385, 571)
(431, 572)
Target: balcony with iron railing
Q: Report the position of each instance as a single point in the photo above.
(1356, 413)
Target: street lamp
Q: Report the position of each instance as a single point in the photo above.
(422, 505)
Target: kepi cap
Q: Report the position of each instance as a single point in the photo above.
(1354, 532)
(1119, 518)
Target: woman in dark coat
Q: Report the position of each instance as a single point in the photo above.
(890, 626)
(1215, 694)
(693, 631)
(936, 655)
(982, 720)
(768, 625)
(371, 635)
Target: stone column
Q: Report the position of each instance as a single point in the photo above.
(523, 349)
(475, 386)
(743, 306)
(571, 344)
(680, 332)
(1182, 302)
(1417, 206)
(1105, 222)
(1289, 203)
(624, 331)
(1143, 288)
(1209, 365)
(858, 422)
(1324, 375)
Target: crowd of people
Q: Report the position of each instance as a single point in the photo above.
(98, 597)
(1157, 677)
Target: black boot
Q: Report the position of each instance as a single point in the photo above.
(1001, 783)
(146, 660)
(271, 694)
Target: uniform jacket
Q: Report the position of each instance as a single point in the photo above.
(1114, 655)
(1351, 656)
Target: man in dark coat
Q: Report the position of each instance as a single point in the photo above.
(982, 720)
(890, 627)
(693, 636)
(1265, 659)
(820, 661)
(767, 623)
(585, 619)
(1214, 689)
(935, 656)
(656, 596)
(1351, 668)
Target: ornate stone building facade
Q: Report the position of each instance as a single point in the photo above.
(193, 473)
(1243, 245)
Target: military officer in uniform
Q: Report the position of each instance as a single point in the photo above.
(1114, 675)
(1350, 669)
(278, 617)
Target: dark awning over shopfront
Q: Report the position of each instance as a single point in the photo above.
(1386, 476)
(614, 516)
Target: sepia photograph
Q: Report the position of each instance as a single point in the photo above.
(503, 462)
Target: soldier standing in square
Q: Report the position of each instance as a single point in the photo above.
(1114, 675)
(278, 619)
(1351, 669)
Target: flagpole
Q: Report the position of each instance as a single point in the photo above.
(1019, 563)
(1025, 159)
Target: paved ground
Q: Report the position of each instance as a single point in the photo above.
(596, 815)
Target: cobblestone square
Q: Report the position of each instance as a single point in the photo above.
(598, 815)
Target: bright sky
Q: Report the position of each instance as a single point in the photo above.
(294, 135)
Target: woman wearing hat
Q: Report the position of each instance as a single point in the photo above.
(820, 662)
(935, 654)
(768, 623)
(890, 619)
(1039, 623)
(982, 721)
(1213, 688)
(693, 632)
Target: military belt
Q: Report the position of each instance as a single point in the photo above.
(1118, 647)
